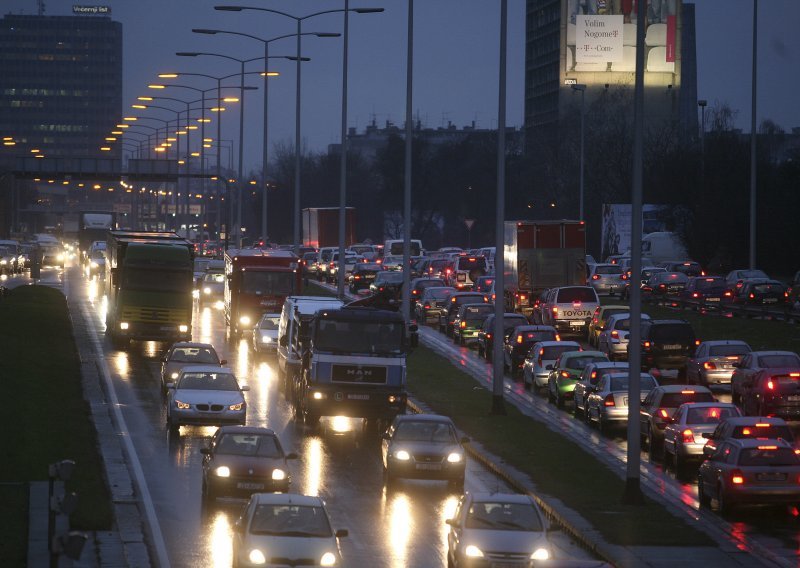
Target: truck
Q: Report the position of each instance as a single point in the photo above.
(258, 281)
(540, 255)
(148, 286)
(321, 227)
(94, 226)
(662, 246)
(355, 366)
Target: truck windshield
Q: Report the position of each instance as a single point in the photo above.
(359, 337)
(157, 279)
(267, 283)
(396, 249)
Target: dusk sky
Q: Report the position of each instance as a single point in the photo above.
(455, 67)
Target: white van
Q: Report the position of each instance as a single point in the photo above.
(394, 247)
(298, 311)
(488, 254)
(662, 246)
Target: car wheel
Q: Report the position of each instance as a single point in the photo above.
(652, 450)
(601, 425)
(559, 400)
(702, 496)
(724, 506)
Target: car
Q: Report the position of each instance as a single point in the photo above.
(753, 362)
(708, 292)
(468, 321)
(658, 408)
(440, 268)
(662, 284)
(486, 333)
(497, 529)
(96, 264)
(387, 282)
(205, 395)
(183, 354)
(351, 259)
(450, 309)
(773, 392)
(749, 471)
(736, 278)
(683, 436)
(466, 270)
(432, 302)
(484, 284)
(599, 317)
(368, 251)
(308, 261)
(590, 376)
(212, 289)
(747, 427)
(714, 361)
(613, 338)
(265, 334)
(418, 286)
(688, 267)
(565, 373)
(762, 293)
(605, 278)
(242, 460)
(568, 308)
(363, 275)
(520, 341)
(199, 270)
(794, 288)
(424, 446)
(286, 529)
(644, 277)
(540, 360)
(666, 344)
(607, 402)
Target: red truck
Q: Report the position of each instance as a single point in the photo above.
(321, 227)
(540, 255)
(257, 282)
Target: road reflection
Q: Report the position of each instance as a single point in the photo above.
(221, 538)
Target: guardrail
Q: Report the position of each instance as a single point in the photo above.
(787, 313)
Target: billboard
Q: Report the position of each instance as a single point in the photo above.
(601, 38)
(616, 231)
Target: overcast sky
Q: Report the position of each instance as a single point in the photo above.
(455, 67)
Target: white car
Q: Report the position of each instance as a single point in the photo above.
(205, 395)
(265, 334)
(613, 338)
(212, 289)
(541, 358)
(286, 529)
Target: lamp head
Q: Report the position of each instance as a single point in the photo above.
(204, 31)
(228, 8)
(187, 54)
(367, 10)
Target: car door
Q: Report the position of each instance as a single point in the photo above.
(647, 407)
(593, 398)
(455, 529)
(673, 428)
(738, 374)
(693, 363)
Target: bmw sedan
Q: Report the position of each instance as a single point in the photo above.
(205, 395)
(184, 354)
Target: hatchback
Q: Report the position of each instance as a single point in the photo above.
(265, 334)
(714, 361)
(607, 403)
(773, 392)
(605, 278)
(520, 342)
(566, 372)
(540, 360)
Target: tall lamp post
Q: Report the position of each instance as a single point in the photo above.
(582, 90)
(753, 140)
(299, 21)
(406, 290)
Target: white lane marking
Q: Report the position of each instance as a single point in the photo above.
(133, 458)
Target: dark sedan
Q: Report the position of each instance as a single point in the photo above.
(665, 284)
(707, 291)
(387, 283)
(363, 275)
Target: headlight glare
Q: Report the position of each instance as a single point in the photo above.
(257, 557)
(183, 328)
(454, 457)
(182, 405)
(473, 551)
(206, 290)
(124, 325)
(278, 475)
(237, 406)
(540, 554)
(93, 264)
(328, 559)
(266, 339)
(223, 471)
(174, 375)
(244, 320)
(402, 455)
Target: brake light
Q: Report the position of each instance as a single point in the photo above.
(595, 277)
(762, 425)
(752, 295)
(663, 412)
(519, 339)
(688, 436)
(615, 334)
(727, 293)
(662, 285)
(558, 338)
(564, 374)
(709, 366)
(555, 309)
(356, 277)
(427, 306)
(488, 336)
(415, 292)
(624, 277)
(794, 374)
(767, 447)
(746, 431)
(697, 343)
(463, 324)
(695, 294)
(770, 385)
(646, 345)
(594, 374)
(539, 359)
(609, 400)
(737, 478)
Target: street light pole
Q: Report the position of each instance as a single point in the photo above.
(406, 299)
(753, 141)
(340, 274)
(582, 89)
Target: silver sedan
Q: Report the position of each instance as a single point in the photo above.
(205, 395)
(607, 404)
(683, 436)
(714, 361)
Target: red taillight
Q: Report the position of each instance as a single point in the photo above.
(662, 285)
(737, 478)
(609, 400)
(752, 295)
(770, 385)
(697, 342)
(427, 306)
(555, 309)
(594, 320)
(519, 339)
(727, 293)
(646, 345)
(615, 334)
(664, 413)
(558, 338)
(594, 374)
(356, 277)
(746, 431)
(488, 336)
(695, 294)
(564, 374)
(624, 277)
(595, 277)
(541, 354)
(463, 324)
(688, 436)
(767, 447)
(709, 366)
(415, 292)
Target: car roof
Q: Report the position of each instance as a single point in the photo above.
(680, 388)
(715, 342)
(609, 365)
(287, 499)
(236, 429)
(553, 343)
(423, 418)
(182, 344)
(485, 496)
(206, 369)
(709, 405)
(750, 420)
(567, 354)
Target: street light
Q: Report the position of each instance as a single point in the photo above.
(582, 89)
(753, 141)
(298, 20)
(405, 305)
(267, 56)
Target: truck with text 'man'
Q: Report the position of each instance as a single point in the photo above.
(148, 286)
(355, 366)
(258, 281)
(540, 255)
(321, 227)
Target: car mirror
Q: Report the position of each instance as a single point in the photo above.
(223, 362)
(284, 340)
(465, 440)
(170, 384)
(244, 388)
(205, 451)
(341, 533)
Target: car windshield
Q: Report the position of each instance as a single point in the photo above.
(290, 520)
(580, 361)
(669, 278)
(608, 312)
(752, 274)
(214, 278)
(438, 292)
(503, 516)
(359, 336)
(613, 269)
(767, 289)
(709, 414)
(728, 350)
(261, 445)
(269, 322)
(471, 263)
(623, 324)
(467, 299)
(424, 431)
(647, 383)
(265, 283)
(764, 430)
(554, 352)
(389, 276)
(434, 283)
(576, 294)
(778, 360)
(196, 355)
(706, 283)
(208, 381)
(539, 335)
(672, 332)
(675, 399)
(768, 455)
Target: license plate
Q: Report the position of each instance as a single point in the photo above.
(672, 347)
(358, 397)
(774, 476)
(249, 485)
(793, 398)
(770, 300)
(625, 400)
(429, 466)
(712, 299)
(369, 277)
(576, 323)
(508, 565)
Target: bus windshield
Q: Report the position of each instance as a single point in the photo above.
(267, 283)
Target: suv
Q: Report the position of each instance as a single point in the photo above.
(455, 301)
(520, 342)
(666, 344)
(747, 427)
(469, 320)
(323, 261)
(466, 270)
(570, 308)
(658, 407)
(486, 333)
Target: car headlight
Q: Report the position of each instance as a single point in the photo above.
(237, 406)
(278, 475)
(266, 339)
(183, 328)
(174, 376)
(93, 264)
(328, 559)
(206, 290)
(540, 554)
(244, 320)
(223, 471)
(473, 551)
(124, 325)
(3, 262)
(182, 405)
(257, 557)
(454, 457)
(219, 305)
(402, 455)
(318, 396)
(60, 257)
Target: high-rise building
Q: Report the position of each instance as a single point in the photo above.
(60, 83)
